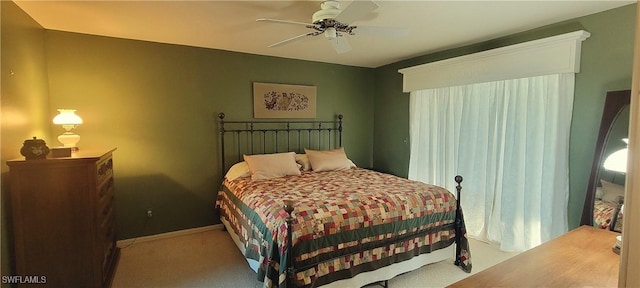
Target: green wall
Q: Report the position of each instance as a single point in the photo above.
(25, 102)
(606, 65)
(157, 103)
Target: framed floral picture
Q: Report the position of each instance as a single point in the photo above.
(283, 101)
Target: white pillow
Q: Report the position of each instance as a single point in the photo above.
(238, 170)
(303, 161)
(611, 191)
(268, 166)
(329, 160)
(599, 193)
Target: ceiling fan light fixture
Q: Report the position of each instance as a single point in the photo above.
(330, 33)
(331, 22)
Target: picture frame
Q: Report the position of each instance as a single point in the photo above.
(271, 100)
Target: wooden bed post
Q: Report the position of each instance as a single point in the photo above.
(458, 221)
(288, 207)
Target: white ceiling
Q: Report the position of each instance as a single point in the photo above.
(230, 25)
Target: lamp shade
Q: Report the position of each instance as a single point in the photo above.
(67, 117)
(617, 161)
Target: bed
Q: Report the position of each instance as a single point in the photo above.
(607, 215)
(607, 207)
(303, 215)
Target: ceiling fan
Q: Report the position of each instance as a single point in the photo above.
(332, 22)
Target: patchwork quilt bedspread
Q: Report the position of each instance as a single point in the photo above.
(603, 214)
(346, 222)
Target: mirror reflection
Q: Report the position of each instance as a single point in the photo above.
(604, 201)
(609, 196)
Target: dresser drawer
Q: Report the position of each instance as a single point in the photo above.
(105, 192)
(105, 210)
(107, 235)
(104, 169)
(109, 245)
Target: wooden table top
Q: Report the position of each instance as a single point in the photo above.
(580, 258)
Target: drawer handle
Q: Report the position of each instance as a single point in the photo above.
(105, 167)
(105, 188)
(107, 208)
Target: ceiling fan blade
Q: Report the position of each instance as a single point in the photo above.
(340, 44)
(355, 11)
(299, 37)
(380, 31)
(285, 22)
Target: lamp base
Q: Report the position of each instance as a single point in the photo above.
(69, 140)
(59, 152)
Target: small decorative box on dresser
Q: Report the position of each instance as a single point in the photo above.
(64, 219)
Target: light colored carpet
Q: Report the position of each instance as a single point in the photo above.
(211, 259)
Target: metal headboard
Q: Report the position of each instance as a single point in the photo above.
(261, 137)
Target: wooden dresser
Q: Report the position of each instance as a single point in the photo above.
(580, 258)
(63, 219)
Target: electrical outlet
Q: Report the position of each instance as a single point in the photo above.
(149, 213)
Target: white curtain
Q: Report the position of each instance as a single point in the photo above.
(510, 141)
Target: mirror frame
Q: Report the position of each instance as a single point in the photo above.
(614, 102)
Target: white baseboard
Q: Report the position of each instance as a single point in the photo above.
(127, 242)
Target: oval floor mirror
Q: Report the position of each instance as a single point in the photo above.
(605, 191)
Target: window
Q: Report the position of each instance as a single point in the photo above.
(501, 119)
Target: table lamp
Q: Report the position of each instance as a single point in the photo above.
(69, 121)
